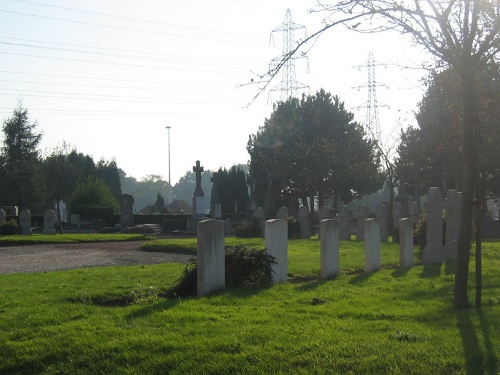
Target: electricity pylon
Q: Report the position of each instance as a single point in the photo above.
(289, 86)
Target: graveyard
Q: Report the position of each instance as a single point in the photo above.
(396, 320)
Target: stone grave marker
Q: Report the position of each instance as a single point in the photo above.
(210, 260)
(372, 245)
(3, 217)
(25, 222)
(415, 212)
(453, 208)
(304, 223)
(215, 202)
(433, 250)
(198, 195)
(126, 211)
(323, 214)
(344, 224)
(329, 248)
(260, 217)
(381, 216)
(396, 214)
(276, 243)
(362, 215)
(406, 242)
(49, 222)
(282, 213)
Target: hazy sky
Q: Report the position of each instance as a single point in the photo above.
(108, 76)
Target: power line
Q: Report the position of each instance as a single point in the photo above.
(127, 28)
(134, 19)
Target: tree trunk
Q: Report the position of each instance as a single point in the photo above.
(468, 177)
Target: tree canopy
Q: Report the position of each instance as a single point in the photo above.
(312, 147)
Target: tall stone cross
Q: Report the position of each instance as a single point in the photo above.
(198, 169)
(198, 195)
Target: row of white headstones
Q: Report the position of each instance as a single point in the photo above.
(211, 233)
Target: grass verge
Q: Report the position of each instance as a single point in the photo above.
(70, 238)
(397, 321)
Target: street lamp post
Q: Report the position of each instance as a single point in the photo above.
(169, 185)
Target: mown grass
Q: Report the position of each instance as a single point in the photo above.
(394, 321)
(70, 238)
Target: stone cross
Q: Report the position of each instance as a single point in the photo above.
(198, 195)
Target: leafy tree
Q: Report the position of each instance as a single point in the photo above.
(21, 171)
(231, 187)
(462, 34)
(93, 199)
(59, 185)
(312, 147)
(108, 171)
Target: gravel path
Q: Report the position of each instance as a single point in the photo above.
(41, 258)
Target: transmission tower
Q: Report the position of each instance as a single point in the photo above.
(372, 122)
(289, 86)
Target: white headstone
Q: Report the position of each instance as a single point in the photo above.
(344, 224)
(453, 208)
(405, 242)
(433, 250)
(25, 222)
(304, 223)
(210, 260)
(276, 243)
(329, 250)
(49, 222)
(372, 245)
(362, 215)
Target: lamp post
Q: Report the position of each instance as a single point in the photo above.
(169, 186)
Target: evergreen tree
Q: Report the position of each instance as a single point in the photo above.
(21, 172)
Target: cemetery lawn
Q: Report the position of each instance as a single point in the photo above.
(70, 238)
(113, 321)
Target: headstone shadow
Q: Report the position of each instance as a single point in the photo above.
(401, 271)
(362, 277)
(431, 271)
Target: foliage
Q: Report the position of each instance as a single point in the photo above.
(93, 197)
(247, 228)
(9, 228)
(312, 147)
(20, 163)
(108, 171)
(231, 186)
(244, 266)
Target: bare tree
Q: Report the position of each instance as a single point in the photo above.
(462, 34)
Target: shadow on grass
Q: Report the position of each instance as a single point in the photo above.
(431, 271)
(360, 278)
(449, 268)
(476, 362)
(401, 271)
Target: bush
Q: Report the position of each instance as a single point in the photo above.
(244, 267)
(247, 229)
(10, 227)
(420, 232)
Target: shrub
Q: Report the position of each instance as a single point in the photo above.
(10, 227)
(247, 229)
(245, 266)
(420, 232)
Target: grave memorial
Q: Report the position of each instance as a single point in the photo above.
(406, 242)
(210, 260)
(453, 208)
(329, 250)
(198, 195)
(433, 250)
(276, 243)
(25, 222)
(49, 222)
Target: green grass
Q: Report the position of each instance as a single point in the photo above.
(69, 238)
(111, 320)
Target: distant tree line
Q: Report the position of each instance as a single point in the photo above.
(33, 180)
